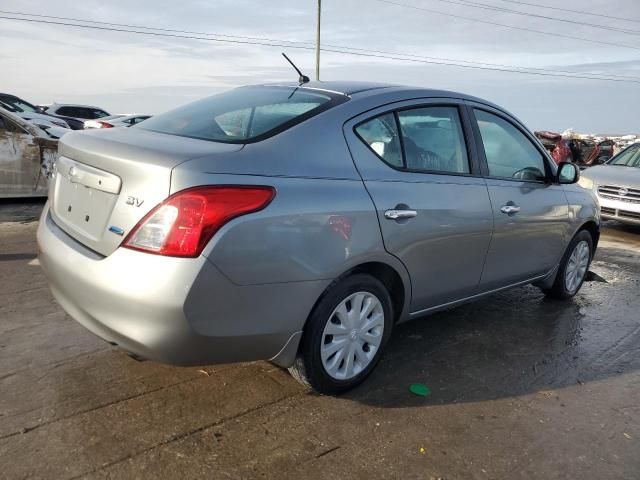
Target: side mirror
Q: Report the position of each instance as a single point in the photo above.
(568, 173)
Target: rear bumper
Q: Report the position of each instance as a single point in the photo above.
(171, 310)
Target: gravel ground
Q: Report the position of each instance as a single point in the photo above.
(521, 387)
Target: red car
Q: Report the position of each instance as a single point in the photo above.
(580, 151)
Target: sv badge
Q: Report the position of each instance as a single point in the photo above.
(135, 201)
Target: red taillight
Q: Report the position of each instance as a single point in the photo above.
(105, 125)
(184, 223)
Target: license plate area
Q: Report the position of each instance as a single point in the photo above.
(84, 198)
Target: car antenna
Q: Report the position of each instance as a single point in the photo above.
(302, 78)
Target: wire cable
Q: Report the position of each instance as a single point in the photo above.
(341, 47)
(467, 3)
(332, 50)
(71, 19)
(568, 10)
(524, 29)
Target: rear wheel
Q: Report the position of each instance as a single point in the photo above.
(345, 335)
(573, 268)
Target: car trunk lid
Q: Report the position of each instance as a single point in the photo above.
(107, 181)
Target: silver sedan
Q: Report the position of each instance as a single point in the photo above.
(617, 185)
(300, 223)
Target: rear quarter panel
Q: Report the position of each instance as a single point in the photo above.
(314, 229)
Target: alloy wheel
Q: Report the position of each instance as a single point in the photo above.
(577, 266)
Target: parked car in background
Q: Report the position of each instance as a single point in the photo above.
(617, 185)
(557, 147)
(27, 155)
(99, 123)
(300, 223)
(583, 151)
(116, 121)
(43, 121)
(607, 150)
(29, 112)
(75, 115)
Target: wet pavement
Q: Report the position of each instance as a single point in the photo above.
(521, 387)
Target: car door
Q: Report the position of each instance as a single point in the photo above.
(530, 210)
(433, 207)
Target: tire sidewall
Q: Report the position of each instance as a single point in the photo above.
(312, 338)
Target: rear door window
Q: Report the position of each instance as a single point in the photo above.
(69, 112)
(245, 114)
(433, 140)
(86, 113)
(99, 114)
(381, 135)
(425, 139)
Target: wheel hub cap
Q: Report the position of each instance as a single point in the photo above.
(352, 335)
(577, 266)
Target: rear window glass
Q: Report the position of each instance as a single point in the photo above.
(244, 114)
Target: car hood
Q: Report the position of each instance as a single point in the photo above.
(614, 175)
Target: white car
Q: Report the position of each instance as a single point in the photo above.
(82, 112)
(122, 120)
(617, 185)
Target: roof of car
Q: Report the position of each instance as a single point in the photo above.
(74, 105)
(337, 86)
(351, 88)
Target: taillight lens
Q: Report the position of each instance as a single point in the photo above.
(184, 223)
(105, 125)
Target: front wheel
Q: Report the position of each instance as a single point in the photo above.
(345, 335)
(573, 267)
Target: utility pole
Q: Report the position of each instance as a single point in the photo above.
(318, 41)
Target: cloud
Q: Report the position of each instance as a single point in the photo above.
(126, 72)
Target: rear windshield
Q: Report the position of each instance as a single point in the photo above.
(243, 115)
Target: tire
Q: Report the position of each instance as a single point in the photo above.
(563, 288)
(333, 314)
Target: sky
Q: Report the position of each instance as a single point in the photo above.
(126, 72)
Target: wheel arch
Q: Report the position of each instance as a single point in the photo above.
(397, 283)
(594, 230)
(394, 278)
(390, 278)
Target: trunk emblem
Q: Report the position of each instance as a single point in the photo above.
(135, 201)
(116, 230)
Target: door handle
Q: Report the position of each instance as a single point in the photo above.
(399, 214)
(509, 209)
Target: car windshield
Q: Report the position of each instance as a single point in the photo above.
(628, 158)
(19, 105)
(243, 115)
